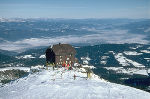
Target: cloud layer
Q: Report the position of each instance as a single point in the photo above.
(104, 36)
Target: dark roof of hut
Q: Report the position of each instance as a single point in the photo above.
(60, 49)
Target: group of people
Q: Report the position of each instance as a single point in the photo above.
(67, 66)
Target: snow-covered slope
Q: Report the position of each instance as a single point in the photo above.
(129, 71)
(60, 84)
(126, 62)
(25, 56)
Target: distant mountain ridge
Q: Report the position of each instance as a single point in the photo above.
(22, 34)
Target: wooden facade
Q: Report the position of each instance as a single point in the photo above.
(61, 54)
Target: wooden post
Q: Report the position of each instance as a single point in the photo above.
(88, 73)
(46, 65)
(74, 76)
(53, 68)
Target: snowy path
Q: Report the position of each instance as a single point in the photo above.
(49, 84)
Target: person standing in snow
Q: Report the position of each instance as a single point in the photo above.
(74, 76)
(61, 75)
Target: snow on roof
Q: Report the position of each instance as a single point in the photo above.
(60, 84)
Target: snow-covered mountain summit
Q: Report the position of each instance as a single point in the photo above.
(67, 84)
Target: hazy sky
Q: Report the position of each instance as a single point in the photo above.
(75, 8)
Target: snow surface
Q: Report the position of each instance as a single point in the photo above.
(133, 48)
(138, 46)
(12, 64)
(126, 62)
(148, 59)
(104, 60)
(60, 84)
(85, 58)
(145, 51)
(104, 57)
(129, 71)
(37, 67)
(132, 53)
(147, 30)
(89, 66)
(42, 56)
(25, 56)
(27, 69)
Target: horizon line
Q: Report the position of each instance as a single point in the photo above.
(66, 18)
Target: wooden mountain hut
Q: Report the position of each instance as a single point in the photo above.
(61, 54)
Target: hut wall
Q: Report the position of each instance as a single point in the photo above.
(61, 54)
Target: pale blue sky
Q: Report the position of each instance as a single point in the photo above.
(75, 8)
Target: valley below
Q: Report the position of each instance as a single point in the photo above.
(126, 64)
